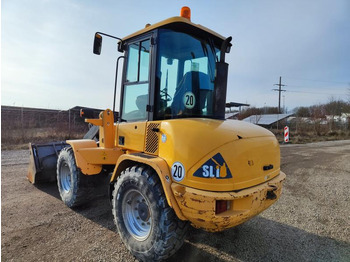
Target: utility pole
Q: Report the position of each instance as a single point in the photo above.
(279, 93)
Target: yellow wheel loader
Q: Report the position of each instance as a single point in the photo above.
(172, 157)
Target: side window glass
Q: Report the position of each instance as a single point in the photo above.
(144, 60)
(138, 62)
(135, 102)
(133, 61)
(136, 87)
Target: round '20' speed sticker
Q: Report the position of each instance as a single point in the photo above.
(178, 171)
(189, 100)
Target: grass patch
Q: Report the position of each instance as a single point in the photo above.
(311, 136)
(19, 139)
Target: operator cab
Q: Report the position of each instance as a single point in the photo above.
(173, 69)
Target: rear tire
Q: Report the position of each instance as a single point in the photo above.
(73, 186)
(146, 224)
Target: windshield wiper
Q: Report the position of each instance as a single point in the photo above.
(206, 53)
(212, 47)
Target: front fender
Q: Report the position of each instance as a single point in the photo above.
(89, 158)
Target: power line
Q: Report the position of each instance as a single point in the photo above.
(341, 89)
(315, 80)
(316, 93)
(279, 93)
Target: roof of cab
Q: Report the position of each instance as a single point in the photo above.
(176, 19)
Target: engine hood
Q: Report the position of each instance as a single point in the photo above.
(189, 142)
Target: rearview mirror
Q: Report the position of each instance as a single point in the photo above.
(97, 44)
(86, 113)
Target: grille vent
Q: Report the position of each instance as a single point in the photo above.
(152, 138)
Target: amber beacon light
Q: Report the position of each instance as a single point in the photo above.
(186, 12)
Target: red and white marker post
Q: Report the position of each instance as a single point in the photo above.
(286, 134)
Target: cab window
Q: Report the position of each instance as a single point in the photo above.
(185, 76)
(136, 86)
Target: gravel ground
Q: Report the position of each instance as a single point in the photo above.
(311, 221)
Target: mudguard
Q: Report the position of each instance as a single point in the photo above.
(90, 158)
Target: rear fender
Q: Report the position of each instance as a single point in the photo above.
(159, 166)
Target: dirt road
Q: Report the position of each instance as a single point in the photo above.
(311, 221)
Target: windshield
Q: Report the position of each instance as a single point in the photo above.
(185, 76)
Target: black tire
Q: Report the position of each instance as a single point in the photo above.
(74, 187)
(137, 198)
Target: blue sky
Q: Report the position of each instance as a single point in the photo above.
(47, 60)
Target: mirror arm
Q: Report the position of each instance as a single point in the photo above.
(111, 36)
(99, 35)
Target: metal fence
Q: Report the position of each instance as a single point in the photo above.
(22, 125)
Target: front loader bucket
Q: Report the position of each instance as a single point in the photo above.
(43, 160)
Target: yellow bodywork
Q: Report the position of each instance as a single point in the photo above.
(239, 154)
(134, 136)
(245, 148)
(89, 157)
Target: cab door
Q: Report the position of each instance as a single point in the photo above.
(135, 95)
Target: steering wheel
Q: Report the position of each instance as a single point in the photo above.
(166, 95)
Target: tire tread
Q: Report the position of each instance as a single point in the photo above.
(173, 230)
(83, 184)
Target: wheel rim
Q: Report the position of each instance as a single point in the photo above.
(137, 215)
(65, 177)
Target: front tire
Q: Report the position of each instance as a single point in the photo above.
(72, 185)
(146, 224)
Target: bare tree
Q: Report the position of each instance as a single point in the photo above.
(317, 114)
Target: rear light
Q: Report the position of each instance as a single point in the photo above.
(222, 206)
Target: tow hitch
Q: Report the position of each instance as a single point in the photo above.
(271, 192)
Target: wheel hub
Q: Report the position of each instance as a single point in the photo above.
(143, 211)
(136, 215)
(65, 177)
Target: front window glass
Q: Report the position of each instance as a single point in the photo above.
(185, 76)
